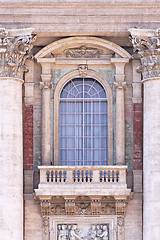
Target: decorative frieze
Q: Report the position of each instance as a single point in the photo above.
(14, 50)
(83, 52)
(45, 207)
(83, 205)
(96, 206)
(70, 206)
(147, 48)
(120, 207)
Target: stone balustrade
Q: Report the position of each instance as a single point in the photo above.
(82, 180)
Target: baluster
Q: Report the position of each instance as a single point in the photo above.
(113, 176)
(52, 176)
(100, 175)
(86, 176)
(47, 174)
(82, 174)
(78, 175)
(64, 176)
(74, 176)
(56, 176)
(60, 176)
(105, 176)
(91, 175)
(117, 176)
(109, 176)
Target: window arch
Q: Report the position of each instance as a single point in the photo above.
(83, 123)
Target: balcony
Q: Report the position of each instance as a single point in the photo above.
(82, 181)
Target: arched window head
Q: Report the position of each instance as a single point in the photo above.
(83, 123)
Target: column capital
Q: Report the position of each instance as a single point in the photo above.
(46, 85)
(120, 85)
(146, 45)
(15, 47)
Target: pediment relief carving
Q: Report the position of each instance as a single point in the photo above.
(86, 48)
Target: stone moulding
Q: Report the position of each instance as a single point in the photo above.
(15, 48)
(146, 44)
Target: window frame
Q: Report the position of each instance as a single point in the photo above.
(58, 89)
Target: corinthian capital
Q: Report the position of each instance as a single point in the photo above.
(15, 47)
(146, 44)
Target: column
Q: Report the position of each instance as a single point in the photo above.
(120, 86)
(46, 86)
(146, 44)
(15, 46)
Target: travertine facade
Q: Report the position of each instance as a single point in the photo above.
(79, 120)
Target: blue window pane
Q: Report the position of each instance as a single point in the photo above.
(63, 118)
(103, 154)
(87, 131)
(102, 94)
(63, 142)
(104, 131)
(104, 142)
(64, 94)
(79, 131)
(79, 155)
(70, 107)
(97, 86)
(87, 155)
(70, 131)
(96, 155)
(87, 119)
(87, 143)
(96, 107)
(63, 131)
(79, 142)
(96, 142)
(103, 118)
(87, 107)
(71, 142)
(63, 107)
(104, 107)
(96, 131)
(63, 155)
(92, 91)
(71, 119)
(79, 107)
(79, 119)
(95, 118)
(71, 155)
(80, 87)
(87, 88)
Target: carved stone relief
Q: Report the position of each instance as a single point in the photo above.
(13, 53)
(86, 228)
(83, 70)
(83, 205)
(83, 52)
(73, 232)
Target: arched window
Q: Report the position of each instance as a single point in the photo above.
(83, 123)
